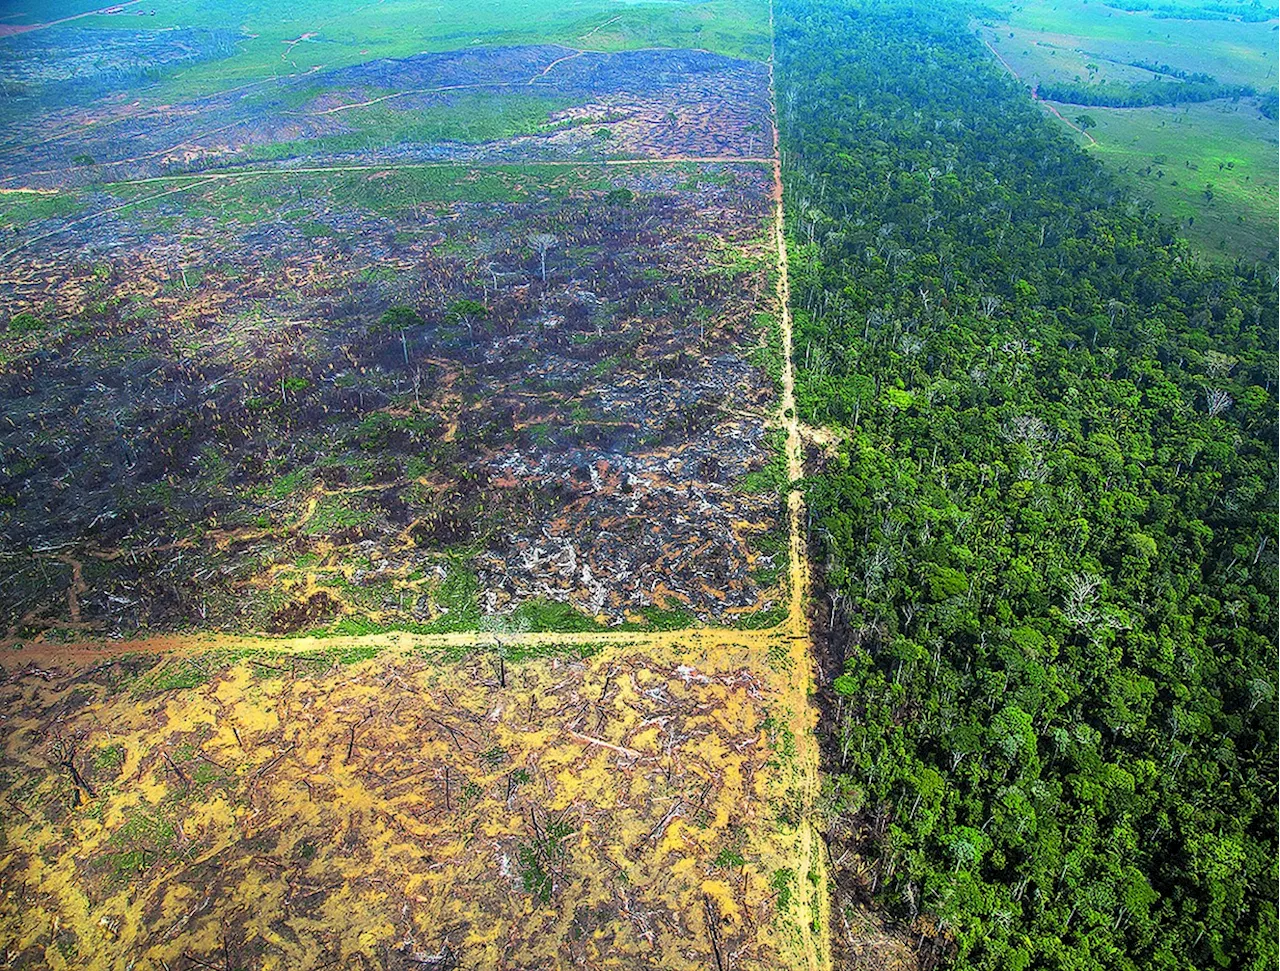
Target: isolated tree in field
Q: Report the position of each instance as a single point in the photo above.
(399, 318)
(501, 631)
(466, 312)
(542, 242)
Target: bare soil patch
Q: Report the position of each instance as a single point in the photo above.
(291, 811)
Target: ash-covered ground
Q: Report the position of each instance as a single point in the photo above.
(276, 403)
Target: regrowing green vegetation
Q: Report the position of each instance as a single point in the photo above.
(471, 118)
(1049, 544)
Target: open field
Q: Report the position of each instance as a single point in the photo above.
(1059, 38)
(1094, 44)
(1210, 167)
(290, 810)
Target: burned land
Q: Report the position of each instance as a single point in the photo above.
(517, 104)
(350, 348)
(395, 569)
(271, 403)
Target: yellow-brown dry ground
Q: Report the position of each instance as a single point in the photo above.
(295, 811)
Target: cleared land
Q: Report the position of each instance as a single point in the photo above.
(1210, 167)
(631, 808)
(382, 386)
(508, 436)
(1169, 155)
(516, 104)
(234, 433)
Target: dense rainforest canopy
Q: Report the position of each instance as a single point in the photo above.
(1048, 542)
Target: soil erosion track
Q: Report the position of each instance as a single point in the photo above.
(794, 631)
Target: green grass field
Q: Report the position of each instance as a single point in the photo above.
(1168, 155)
(1233, 52)
(19, 209)
(293, 39)
(1172, 155)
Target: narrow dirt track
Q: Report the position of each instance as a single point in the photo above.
(1037, 99)
(814, 886)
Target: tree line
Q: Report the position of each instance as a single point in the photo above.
(1143, 95)
(1250, 13)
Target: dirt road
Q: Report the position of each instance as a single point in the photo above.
(816, 897)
